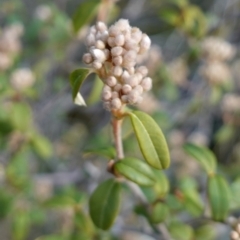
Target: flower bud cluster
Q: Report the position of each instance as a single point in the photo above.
(9, 44)
(217, 49)
(216, 52)
(113, 53)
(22, 78)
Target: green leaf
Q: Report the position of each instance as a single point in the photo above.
(108, 152)
(42, 146)
(135, 170)
(161, 186)
(96, 91)
(150, 139)
(203, 155)
(76, 79)
(21, 225)
(159, 213)
(85, 13)
(104, 203)
(219, 197)
(205, 232)
(181, 231)
(235, 190)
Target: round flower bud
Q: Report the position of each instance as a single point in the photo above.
(234, 235)
(111, 81)
(139, 76)
(136, 34)
(130, 56)
(90, 40)
(111, 41)
(115, 95)
(93, 30)
(116, 103)
(96, 64)
(100, 44)
(119, 40)
(143, 70)
(132, 80)
(117, 60)
(106, 95)
(124, 98)
(116, 51)
(139, 88)
(87, 58)
(117, 71)
(131, 70)
(145, 42)
(113, 31)
(125, 76)
(122, 25)
(130, 44)
(101, 26)
(133, 97)
(146, 83)
(106, 88)
(98, 55)
(104, 36)
(117, 87)
(107, 105)
(126, 88)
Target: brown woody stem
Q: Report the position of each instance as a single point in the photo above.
(117, 132)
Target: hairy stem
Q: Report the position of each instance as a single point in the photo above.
(117, 132)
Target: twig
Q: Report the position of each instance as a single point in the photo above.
(117, 132)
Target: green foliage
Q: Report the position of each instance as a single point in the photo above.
(159, 213)
(150, 139)
(77, 77)
(219, 197)
(205, 232)
(5, 203)
(135, 170)
(85, 13)
(203, 155)
(104, 203)
(181, 231)
(51, 237)
(235, 194)
(108, 152)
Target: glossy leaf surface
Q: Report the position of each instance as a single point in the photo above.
(150, 139)
(136, 171)
(104, 203)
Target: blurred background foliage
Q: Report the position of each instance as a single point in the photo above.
(46, 169)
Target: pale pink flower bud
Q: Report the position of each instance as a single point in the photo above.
(114, 31)
(119, 40)
(106, 88)
(133, 97)
(107, 105)
(101, 26)
(129, 56)
(90, 40)
(117, 60)
(130, 44)
(104, 36)
(145, 42)
(111, 81)
(116, 51)
(136, 34)
(111, 41)
(106, 95)
(126, 88)
(87, 58)
(118, 87)
(146, 83)
(124, 98)
(96, 64)
(122, 25)
(132, 80)
(93, 30)
(125, 75)
(139, 88)
(234, 235)
(115, 95)
(116, 103)
(131, 70)
(143, 70)
(100, 44)
(117, 71)
(98, 55)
